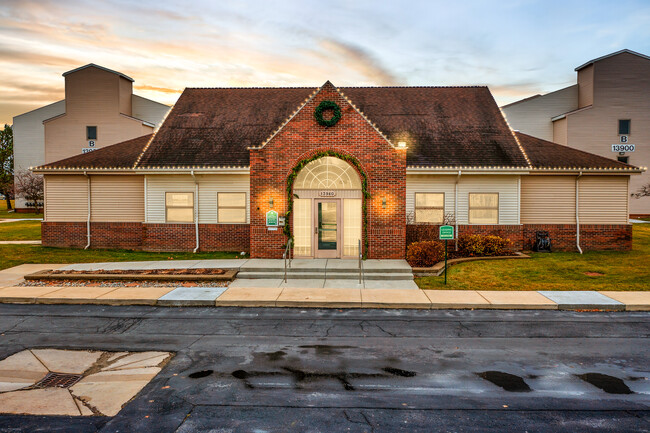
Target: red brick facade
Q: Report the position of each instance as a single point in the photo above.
(353, 135)
(563, 236)
(148, 237)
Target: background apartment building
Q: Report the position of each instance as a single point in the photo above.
(99, 109)
(607, 112)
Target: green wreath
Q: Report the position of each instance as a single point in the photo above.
(327, 105)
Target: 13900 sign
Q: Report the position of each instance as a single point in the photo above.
(622, 148)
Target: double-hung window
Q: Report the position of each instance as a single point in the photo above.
(179, 207)
(231, 207)
(429, 208)
(484, 208)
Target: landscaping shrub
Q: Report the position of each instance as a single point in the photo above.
(425, 254)
(482, 245)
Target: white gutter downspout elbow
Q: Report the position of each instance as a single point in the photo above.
(88, 219)
(196, 213)
(578, 214)
(456, 206)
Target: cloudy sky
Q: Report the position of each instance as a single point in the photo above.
(518, 48)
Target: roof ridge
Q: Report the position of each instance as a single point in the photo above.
(340, 87)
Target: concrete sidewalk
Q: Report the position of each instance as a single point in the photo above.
(302, 297)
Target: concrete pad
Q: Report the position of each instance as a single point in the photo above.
(15, 383)
(149, 362)
(249, 297)
(73, 295)
(315, 283)
(220, 264)
(24, 295)
(133, 296)
(47, 401)
(582, 300)
(23, 361)
(391, 284)
(146, 359)
(108, 397)
(308, 263)
(382, 265)
(343, 284)
(256, 283)
(456, 299)
(67, 361)
(634, 301)
(191, 296)
(394, 298)
(165, 264)
(326, 298)
(514, 300)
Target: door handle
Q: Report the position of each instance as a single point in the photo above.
(315, 230)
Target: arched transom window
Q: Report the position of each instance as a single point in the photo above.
(327, 172)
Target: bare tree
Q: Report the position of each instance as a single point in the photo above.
(644, 191)
(30, 186)
(7, 164)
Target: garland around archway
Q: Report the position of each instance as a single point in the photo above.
(364, 191)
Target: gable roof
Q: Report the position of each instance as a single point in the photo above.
(442, 126)
(121, 155)
(616, 53)
(92, 65)
(546, 154)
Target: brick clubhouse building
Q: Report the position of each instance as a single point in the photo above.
(247, 169)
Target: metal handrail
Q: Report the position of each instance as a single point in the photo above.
(285, 255)
(360, 263)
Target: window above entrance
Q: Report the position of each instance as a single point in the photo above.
(328, 172)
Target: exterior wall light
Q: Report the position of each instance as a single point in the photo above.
(271, 202)
(383, 202)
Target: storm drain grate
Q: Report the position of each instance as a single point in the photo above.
(58, 380)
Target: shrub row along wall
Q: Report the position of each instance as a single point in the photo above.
(148, 237)
(563, 236)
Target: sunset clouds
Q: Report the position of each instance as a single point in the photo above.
(518, 49)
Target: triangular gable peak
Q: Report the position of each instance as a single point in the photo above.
(327, 86)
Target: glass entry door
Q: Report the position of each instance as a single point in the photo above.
(327, 229)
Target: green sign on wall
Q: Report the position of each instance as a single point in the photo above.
(272, 218)
(446, 232)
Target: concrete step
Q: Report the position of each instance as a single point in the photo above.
(393, 276)
(310, 270)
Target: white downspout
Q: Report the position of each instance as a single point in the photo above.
(456, 206)
(88, 219)
(196, 213)
(578, 214)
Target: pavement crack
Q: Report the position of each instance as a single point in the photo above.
(357, 420)
(463, 326)
(365, 331)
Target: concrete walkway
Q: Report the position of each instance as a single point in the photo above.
(20, 242)
(302, 297)
(11, 220)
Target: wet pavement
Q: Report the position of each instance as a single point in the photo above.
(311, 370)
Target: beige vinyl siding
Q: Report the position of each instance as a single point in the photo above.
(560, 131)
(533, 116)
(548, 200)
(66, 198)
(603, 199)
(506, 186)
(118, 198)
(148, 110)
(209, 186)
(586, 86)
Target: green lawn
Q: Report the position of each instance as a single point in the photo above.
(6, 214)
(629, 270)
(14, 255)
(20, 231)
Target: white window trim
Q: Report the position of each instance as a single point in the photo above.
(180, 207)
(469, 209)
(231, 207)
(415, 205)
